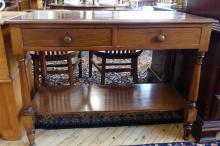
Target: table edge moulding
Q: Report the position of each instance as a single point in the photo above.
(116, 30)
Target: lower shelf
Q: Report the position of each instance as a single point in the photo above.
(93, 99)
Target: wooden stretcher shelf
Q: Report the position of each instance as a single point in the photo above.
(92, 98)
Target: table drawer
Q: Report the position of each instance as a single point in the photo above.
(174, 38)
(66, 37)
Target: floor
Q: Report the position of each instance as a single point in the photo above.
(127, 135)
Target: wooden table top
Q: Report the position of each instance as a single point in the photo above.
(6, 15)
(108, 17)
(90, 6)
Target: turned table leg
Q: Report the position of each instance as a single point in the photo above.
(27, 111)
(190, 109)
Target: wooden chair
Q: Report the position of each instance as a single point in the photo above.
(116, 54)
(41, 67)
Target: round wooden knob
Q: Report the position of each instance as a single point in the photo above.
(160, 38)
(67, 39)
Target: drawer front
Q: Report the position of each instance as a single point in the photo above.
(66, 37)
(159, 38)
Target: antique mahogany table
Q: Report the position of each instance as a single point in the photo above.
(108, 30)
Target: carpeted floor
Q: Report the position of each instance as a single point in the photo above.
(144, 62)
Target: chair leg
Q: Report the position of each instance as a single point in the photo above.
(103, 71)
(134, 70)
(43, 67)
(90, 63)
(36, 73)
(80, 65)
(70, 70)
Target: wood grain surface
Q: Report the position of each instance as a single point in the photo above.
(80, 99)
(108, 17)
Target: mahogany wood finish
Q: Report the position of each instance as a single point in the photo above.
(27, 110)
(190, 112)
(184, 37)
(116, 54)
(56, 37)
(102, 98)
(113, 17)
(115, 24)
(87, 7)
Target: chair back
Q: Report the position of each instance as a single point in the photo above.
(118, 54)
(50, 53)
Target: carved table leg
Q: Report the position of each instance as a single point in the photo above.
(190, 109)
(27, 113)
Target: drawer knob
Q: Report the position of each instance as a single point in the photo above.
(160, 38)
(67, 39)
